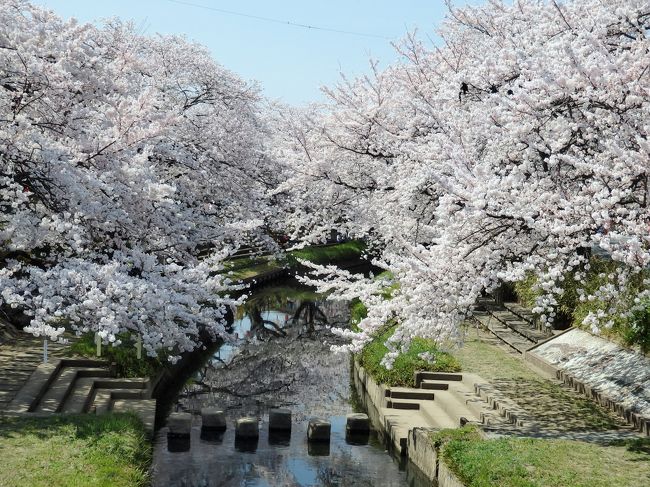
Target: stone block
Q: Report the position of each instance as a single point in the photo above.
(319, 430)
(179, 424)
(357, 423)
(318, 448)
(280, 419)
(213, 418)
(247, 427)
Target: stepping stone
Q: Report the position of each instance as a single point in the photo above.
(179, 424)
(247, 428)
(357, 423)
(213, 418)
(279, 419)
(319, 430)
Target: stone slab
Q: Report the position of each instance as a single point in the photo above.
(34, 388)
(179, 424)
(280, 419)
(247, 428)
(319, 430)
(357, 423)
(213, 418)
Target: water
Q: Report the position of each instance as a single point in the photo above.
(282, 359)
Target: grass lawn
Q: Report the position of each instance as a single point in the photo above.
(78, 450)
(254, 269)
(558, 406)
(329, 253)
(248, 267)
(528, 462)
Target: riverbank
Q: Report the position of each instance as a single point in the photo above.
(554, 437)
(464, 457)
(73, 450)
(254, 269)
(71, 433)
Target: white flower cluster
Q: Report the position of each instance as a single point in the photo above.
(514, 147)
(121, 158)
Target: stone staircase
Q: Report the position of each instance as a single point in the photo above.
(19, 357)
(76, 386)
(445, 400)
(511, 323)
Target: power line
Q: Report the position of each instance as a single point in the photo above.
(278, 21)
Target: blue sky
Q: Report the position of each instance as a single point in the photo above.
(289, 62)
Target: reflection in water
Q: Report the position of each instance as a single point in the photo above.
(281, 359)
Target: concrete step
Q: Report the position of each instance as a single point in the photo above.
(60, 389)
(398, 423)
(524, 328)
(118, 383)
(35, 387)
(437, 416)
(79, 399)
(408, 393)
(402, 404)
(434, 385)
(101, 401)
(456, 407)
(509, 410)
(522, 312)
(103, 398)
(504, 333)
(145, 409)
(436, 376)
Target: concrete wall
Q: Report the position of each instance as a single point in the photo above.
(446, 477)
(422, 452)
(419, 448)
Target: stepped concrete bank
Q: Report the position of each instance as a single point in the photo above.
(406, 431)
(614, 377)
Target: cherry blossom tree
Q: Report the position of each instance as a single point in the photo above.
(122, 157)
(513, 147)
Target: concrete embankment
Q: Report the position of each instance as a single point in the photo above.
(405, 432)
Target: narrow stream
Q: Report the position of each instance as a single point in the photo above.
(282, 359)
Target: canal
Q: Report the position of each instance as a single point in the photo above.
(281, 358)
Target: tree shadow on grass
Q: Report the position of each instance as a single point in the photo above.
(640, 446)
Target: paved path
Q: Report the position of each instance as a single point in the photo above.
(19, 357)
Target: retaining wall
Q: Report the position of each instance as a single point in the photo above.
(418, 448)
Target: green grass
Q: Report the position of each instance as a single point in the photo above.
(559, 407)
(249, 267)
(528, 462)
(330, 253)
(407, 363)
(358, 311)
(403, 371)
(80, 450)
(253, 270)
(123, 355)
